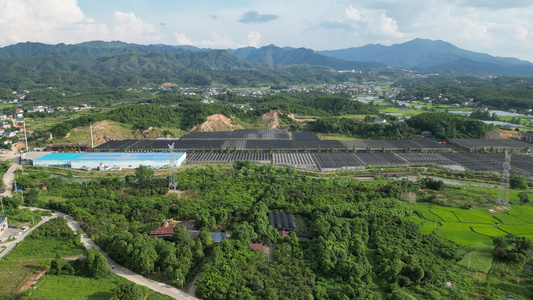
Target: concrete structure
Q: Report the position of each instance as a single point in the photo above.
(527, 136)
(120, 159)
(3, 224)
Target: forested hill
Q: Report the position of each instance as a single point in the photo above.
(272, 55)
(117, 64)
(191, 113)
(118, 68)
(435, 56)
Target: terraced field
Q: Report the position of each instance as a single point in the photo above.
(467, 227)
(474, 229)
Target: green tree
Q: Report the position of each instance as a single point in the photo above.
(524, 197)
(128, 291)
(517, 181)
(143, 175)
(96, 264)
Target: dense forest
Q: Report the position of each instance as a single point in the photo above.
(449, 126)
(359, 241)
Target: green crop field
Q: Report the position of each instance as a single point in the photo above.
(478, 257)
(468, 227)
(445, 215)
(522, 212)
(517, 229)
(460, 233)
(424, 211)
(415, 219)
(472, 216)
(427, 228)
(510, 220)
(489, 230)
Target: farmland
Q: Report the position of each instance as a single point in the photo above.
(467, 227)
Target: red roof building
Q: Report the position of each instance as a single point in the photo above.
(256, 246)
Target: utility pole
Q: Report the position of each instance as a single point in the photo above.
(26, 139)
(172, 177)
(92, 140)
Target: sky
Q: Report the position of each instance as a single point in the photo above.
(497, 27)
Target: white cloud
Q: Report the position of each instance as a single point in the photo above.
(254, 38)
(62, 21)
(352, 14)
(181, 39)
(367, 24)
(130, 28)
(45, 21)
(215, 41)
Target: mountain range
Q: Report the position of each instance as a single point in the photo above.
(118, 58)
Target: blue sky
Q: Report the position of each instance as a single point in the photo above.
(496, 27)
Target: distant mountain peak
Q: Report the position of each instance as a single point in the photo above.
(419, 53)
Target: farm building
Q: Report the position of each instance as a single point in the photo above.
(116, 159)
(281, 221)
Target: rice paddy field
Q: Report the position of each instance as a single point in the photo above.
(468, 226)
(474, 229)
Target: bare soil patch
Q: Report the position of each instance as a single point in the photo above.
(271, 119)
(33, 279)
(217, 122)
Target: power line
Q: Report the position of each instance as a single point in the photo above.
(172, 177)
(503, 195)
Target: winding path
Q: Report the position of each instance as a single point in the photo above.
(88, 243)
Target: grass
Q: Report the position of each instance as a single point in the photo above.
(73, 287)
(413, 219)
(479, 255)
(24, 216)
(29, 255)
(427, 228)
(47, 199)
(334, 136)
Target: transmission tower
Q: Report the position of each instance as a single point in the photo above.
(172, 177)
(503, 196)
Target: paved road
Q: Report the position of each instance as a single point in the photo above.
(9, 175)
